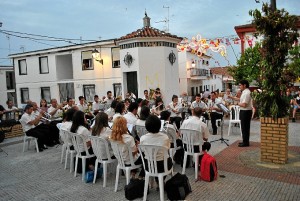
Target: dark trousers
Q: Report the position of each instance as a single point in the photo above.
(40, 133)
(245, 117)
(214, 116)
(177, 121)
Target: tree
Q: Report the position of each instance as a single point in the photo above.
(279, 32)
(248, 65)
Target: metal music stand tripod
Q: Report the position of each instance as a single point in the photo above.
(225, 110)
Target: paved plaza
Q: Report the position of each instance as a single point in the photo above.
(41, 176)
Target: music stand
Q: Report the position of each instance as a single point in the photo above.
(225, 110)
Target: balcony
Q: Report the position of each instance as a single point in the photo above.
(199, 73)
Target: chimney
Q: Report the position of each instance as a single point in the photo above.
(146, 20)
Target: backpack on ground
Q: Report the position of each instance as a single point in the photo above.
(178, 187)
(135, 189)
(208, 167)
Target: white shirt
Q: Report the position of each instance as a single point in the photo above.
(140, 122)
(96, 106)
(246, 98)
(84, 132)
(194, 123)
(108, 101)
(66, 126)
(129, 140)
(25, 119)
(158, 139)
(57, 114)
(176, 108)
(83, 107)
(110, 112)
(199, 104)
(214, 104)
(131, 118)
(105, 134)
(116, 115)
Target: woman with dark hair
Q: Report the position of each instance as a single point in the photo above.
(145, 112)
(102, 130)
(158, 107)
(119, 111)
(43, 105)
(67, 121)
(111, 111)
(78, 127)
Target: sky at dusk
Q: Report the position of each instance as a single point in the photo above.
(109, 19)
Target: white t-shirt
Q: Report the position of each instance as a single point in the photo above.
(158, 139)
(129, 140)
(140, 122)
(83, 107)
(194, 123)
(246, 98)
(85, 133)
(105, 134)
(176, 108)
(96, 106)
(25, 119)
(199, 104)
(131, 118)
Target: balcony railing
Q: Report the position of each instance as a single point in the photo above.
(199, 72)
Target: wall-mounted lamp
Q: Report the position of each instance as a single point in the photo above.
(97, 56)
(193, 64)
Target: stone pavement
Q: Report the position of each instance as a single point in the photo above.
(40, 176)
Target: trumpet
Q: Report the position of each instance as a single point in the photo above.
(47, 115)
(158, 106)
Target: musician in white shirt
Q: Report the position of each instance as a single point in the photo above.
(216, 112)
(96, 105)
(131, 114)
(174, 107)
(55, 109)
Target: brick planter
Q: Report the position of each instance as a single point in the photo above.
(274, 140)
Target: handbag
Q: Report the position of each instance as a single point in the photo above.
(135, 189)
(89, 175)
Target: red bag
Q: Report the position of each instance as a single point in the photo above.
(208, 168)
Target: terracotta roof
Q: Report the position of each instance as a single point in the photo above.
(148, 32)
(220, 70)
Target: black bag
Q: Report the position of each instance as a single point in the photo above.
(178, 187)
(135, 189)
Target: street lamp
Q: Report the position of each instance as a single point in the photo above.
(97, 56)
(193, 64)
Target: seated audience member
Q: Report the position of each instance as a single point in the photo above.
(67, 121)
(70, 103)
(194, 123)
(165, 115)
(96, 105)
(30, 126)
(55, 110)
(119, 111)
(120, 134)
(102, 130)
(79, 127)
(111, 111)
(154, 137)
(145, 112)
(158, 107)
(131, 115)
(174, 106)
(43, 105)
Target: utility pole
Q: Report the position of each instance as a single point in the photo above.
(273, 5)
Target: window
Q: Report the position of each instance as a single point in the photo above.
(89, 92)
(46, 94)
(87, 63)
(22, 67)
(117, 89)
(66, 90)
(10, 80)
(24, 95)
(115, 53)
(43, 61)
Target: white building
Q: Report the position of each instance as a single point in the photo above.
(144, 59)
(7, 85)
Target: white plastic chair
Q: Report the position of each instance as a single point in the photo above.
(29, 138)
(140, 130)
(150, 152)
(98, 143)
(188, 137)
(78, 140)
(66, 137)
(171, 133)
(119, 149)
(235, 109)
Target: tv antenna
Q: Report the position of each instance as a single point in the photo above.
(166, 20)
